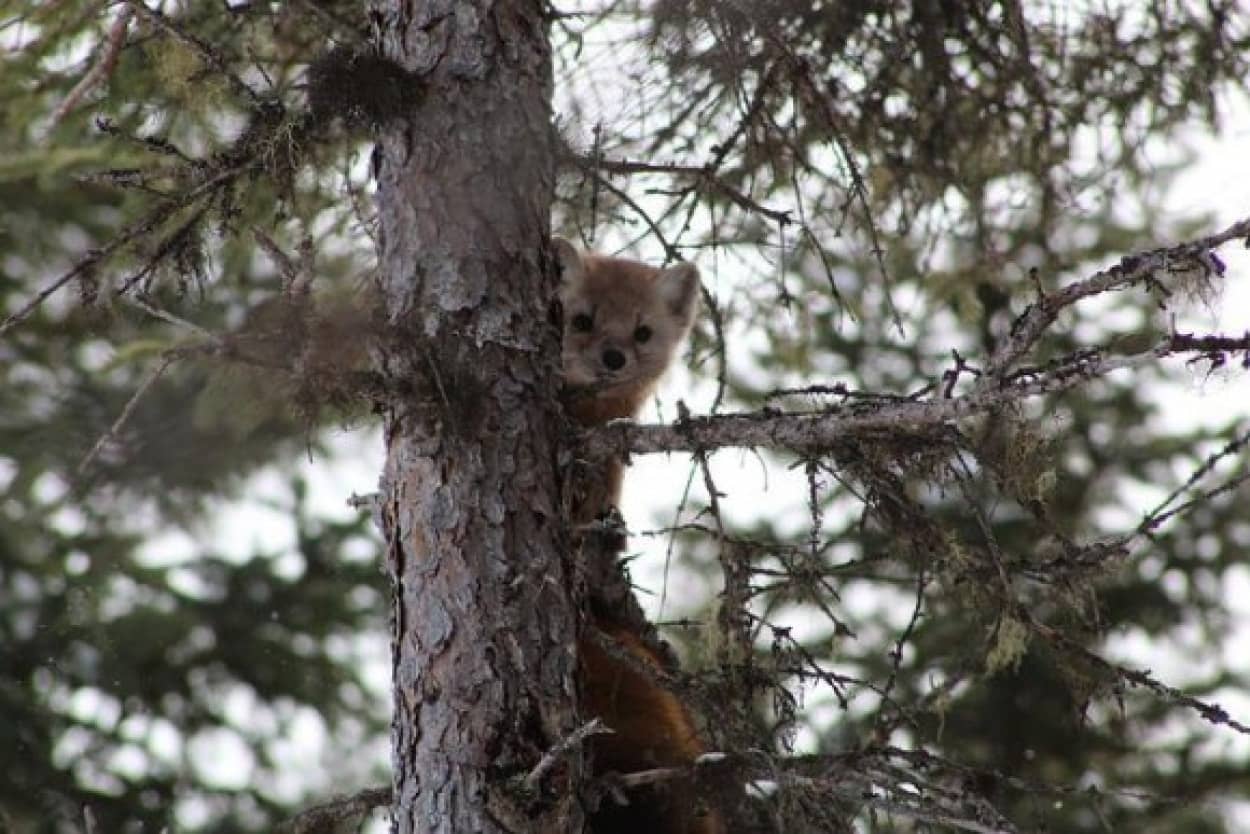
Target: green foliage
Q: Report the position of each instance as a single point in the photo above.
(122, 665)
(869, 186)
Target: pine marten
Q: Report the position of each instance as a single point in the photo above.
(623, 322)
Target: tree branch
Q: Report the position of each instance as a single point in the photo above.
(103, 68)
(813, 432)
(324, 818)
(573, 740)
(994, 389)
(1131, 270)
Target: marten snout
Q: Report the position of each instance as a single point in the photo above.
(613, 359)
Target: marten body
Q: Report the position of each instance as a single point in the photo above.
(623, 322)
(651, 729)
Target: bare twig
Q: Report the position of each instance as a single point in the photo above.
(671, 252)
(902, 795)
(170, 318)
(703, 177)
(562, 748)
(1160, 514)
(325, 818)
(155, 374)
(295, 278)
(101, 70)
(1212, 713)
(654, 776)
(1132, 270)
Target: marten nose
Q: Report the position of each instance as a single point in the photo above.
(613, 359)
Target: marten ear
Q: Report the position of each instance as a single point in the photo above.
(571, 266)
(679, 288)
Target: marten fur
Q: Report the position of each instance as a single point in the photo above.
(623, 322)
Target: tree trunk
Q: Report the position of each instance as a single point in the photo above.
(483, 623)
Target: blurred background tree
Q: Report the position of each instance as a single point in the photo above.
(870, 188)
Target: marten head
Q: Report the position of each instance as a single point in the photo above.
(623, 320)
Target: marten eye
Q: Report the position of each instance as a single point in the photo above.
(582, 323)
(642, 333)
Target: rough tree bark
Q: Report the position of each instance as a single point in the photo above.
(482, 619)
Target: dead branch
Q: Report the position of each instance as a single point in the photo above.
(156, 373)
(703, 177)
(1210, 712)
(103, 68)
(813, 432)
(995, 389)
(324, 818)
(572, 741)
(1132, 270)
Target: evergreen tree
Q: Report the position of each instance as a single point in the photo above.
(939, 298)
